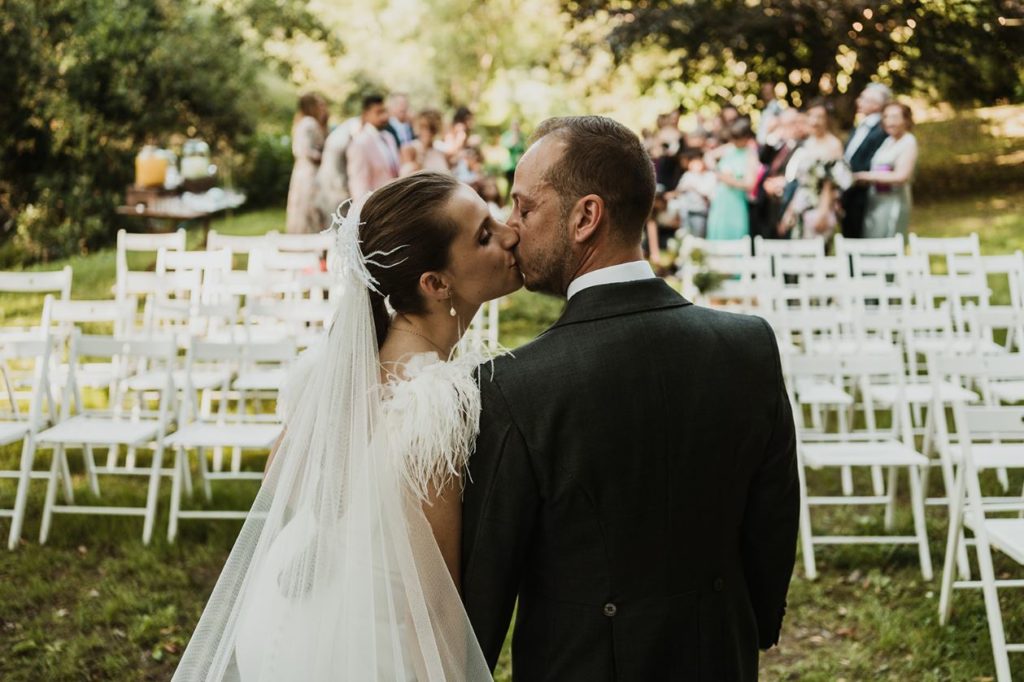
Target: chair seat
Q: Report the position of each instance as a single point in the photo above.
(260, 380)
(1008, 391)
(11, 432)
(922, 393)
(992, 455)
(1006, 535)
(860, 453)
(211, 435)
(87, 430)
(959, 346)
(202, 380)
(821, 393)
(851, 346)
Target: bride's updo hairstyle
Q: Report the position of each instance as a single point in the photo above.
(408, 213)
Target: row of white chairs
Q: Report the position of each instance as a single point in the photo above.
(152, 403)
(870, 400)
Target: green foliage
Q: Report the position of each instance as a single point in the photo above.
(264, 164)
(957, 50)
(88, 83)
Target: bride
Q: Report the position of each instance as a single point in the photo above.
(347, 567)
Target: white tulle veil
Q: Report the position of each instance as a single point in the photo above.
(335, 574)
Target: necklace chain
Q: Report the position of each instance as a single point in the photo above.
(422, 336)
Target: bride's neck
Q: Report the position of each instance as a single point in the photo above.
(431, 332)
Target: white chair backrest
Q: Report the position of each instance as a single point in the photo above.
(945, 247)
(790, 248)
(737, 248)
(68, 314)
(58, 281)
(1006, 271)
(14, 354)
(887, 246)
(129, 282)
(316, 243)
(215, 241)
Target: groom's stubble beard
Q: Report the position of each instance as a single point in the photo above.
(553, 268)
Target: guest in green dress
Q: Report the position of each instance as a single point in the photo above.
(891, 174)
(728, 216)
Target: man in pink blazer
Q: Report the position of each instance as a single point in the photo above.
(373, 154)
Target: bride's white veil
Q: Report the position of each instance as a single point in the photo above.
(335, 574)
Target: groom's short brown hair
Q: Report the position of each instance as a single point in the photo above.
(605, 158)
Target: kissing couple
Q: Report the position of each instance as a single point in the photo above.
(624, 486)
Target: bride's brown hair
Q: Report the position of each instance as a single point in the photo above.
(406, 219)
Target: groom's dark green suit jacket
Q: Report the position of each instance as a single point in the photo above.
(635, 486)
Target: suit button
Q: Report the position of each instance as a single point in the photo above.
(718, 585)
(610, 610)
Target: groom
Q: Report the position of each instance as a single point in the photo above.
(635, 482)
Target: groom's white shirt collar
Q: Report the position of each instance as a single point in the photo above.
(613, 274)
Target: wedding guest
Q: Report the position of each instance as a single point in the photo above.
(460, 134)
(692, 196)
(332, 185)
(891, 174)
(515, 144)
(469, 166)
(768, 120)
(422, 152)
(399, 121)
(814, 208)
(736, 171)
(372, 154)
(864, 141)
(771, 197)
(308, 134)
(489, 192)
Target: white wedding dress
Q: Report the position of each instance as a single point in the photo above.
(336, 574)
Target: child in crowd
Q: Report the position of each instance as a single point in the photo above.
(692, 196)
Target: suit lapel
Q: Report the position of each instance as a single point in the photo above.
(615, 300)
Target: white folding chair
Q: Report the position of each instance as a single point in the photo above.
(986, 520)
(483, 331)
(238, 244)
(871, 447)
(945, 249)
(302, 320)
(130, 282)
(204, 266)
(319, 243)
(16, 425)
(86, 428)
(883, 247)
(1005, 272)
(56, 283)
(236, 430)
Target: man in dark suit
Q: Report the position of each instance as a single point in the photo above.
(864, 141)
(635, 481)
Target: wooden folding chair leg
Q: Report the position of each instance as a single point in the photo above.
(846, 478)
(129, 458)
(992, 610)
(65, 468)
(890, 505)
(179, 465)
(21, 495)
(90, 470)
(112, 453)
(51, 497)
(920, 527)
(151, 496)
(203, 470)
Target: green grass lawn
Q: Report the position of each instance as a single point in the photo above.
(95, 604)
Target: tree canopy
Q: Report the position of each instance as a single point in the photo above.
(956, 50)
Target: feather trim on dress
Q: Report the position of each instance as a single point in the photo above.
(432, 418)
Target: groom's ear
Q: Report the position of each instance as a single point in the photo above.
(587, 217)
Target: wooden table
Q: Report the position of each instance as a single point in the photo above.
(176, 209)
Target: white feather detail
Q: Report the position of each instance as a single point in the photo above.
(432, 418)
